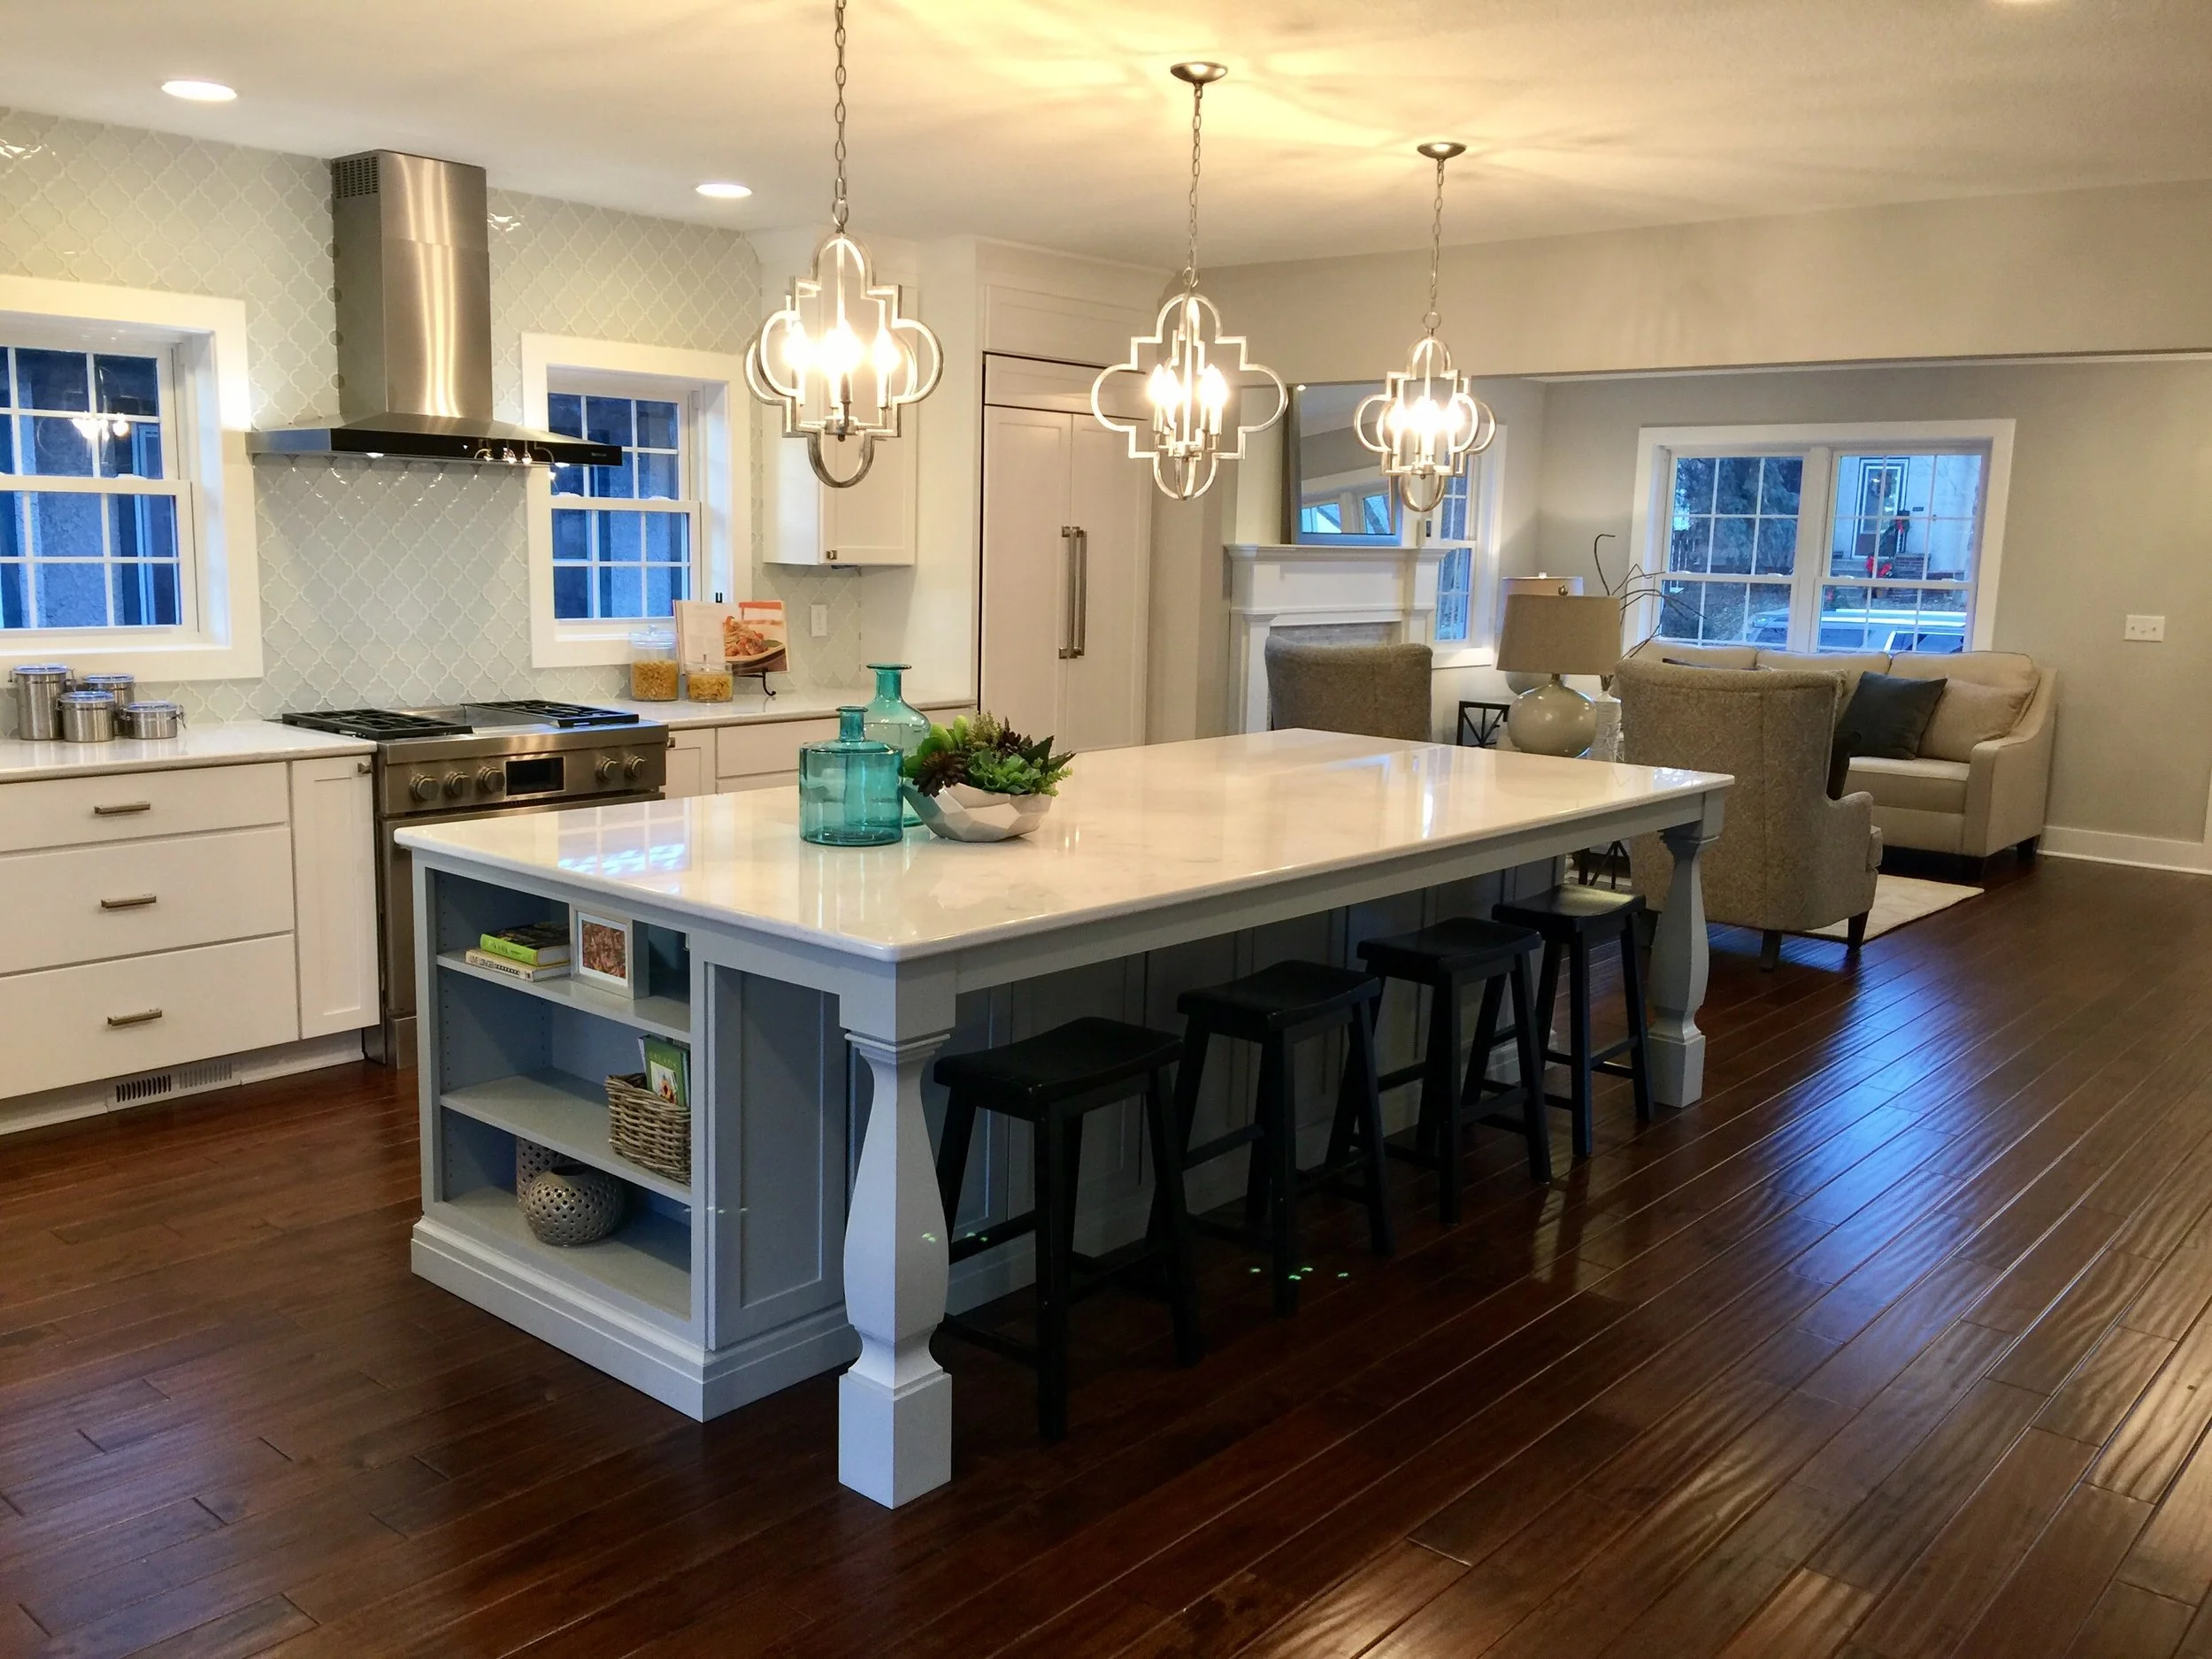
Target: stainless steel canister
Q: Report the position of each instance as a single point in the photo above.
(122, 688)
(87, 717)
(151, 719)
(37, 685)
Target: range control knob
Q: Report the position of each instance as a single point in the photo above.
(422, 787)
(456, 784)
(605, 769)
(634, 767)
(491, 781)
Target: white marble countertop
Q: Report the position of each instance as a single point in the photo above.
(1134, 830)
(229, 743)
(749, 709)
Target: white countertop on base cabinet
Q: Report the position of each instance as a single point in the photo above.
(231, 743)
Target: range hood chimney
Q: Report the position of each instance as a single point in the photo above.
(415, 324)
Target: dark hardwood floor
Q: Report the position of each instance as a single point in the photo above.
(1897, 1344)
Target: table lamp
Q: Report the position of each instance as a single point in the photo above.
(1554, 634)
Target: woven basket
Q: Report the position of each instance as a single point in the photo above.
(648, 1130)
(572, 1206)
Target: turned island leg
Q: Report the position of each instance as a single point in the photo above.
(1678, 966)
(894, 1405)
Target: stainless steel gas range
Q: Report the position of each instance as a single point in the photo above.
(476, 760)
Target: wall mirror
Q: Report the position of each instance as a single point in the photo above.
(1334, 493)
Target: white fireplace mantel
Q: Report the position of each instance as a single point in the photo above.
(1393, 588)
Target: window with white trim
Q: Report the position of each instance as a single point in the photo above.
(1852, 539)
(125, 494)
(1465, 526)
(613, 548)
(625, 537)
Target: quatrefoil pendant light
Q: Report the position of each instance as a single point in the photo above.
(1425, 423)
(1181, 363)
(839, 358)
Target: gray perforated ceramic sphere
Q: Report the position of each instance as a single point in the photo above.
(573, 1205)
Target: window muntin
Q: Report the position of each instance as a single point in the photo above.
(93, 520)
(1457, 525)
(1897, 528)
(634, 561)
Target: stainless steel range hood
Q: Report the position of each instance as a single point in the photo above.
(415, 324)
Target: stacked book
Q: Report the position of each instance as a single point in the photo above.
(538, 951)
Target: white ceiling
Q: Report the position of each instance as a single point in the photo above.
(1054, 121)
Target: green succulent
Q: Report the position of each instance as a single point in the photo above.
(983, 751)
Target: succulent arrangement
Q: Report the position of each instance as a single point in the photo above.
(985, 753)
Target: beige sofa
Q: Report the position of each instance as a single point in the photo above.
(1788, 859)
(1984, 773)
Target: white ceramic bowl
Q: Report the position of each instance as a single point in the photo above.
(960, 812)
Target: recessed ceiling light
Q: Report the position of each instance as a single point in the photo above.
(723, 191)
(199, 91)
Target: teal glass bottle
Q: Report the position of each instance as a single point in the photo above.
(848, 788)
(892, 720)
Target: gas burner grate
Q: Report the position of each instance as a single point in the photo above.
(566, 715)
(382, 725)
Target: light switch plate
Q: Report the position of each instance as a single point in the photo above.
(817, 621)
(2145, 628)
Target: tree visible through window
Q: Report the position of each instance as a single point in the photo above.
(89, 505)
(632, 560)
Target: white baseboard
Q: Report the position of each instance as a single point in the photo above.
(197, 1077)
(2147, 852)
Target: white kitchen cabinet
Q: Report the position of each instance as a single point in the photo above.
(871, 522)
(690, 764)
(1066, 568)
(333, 875)
(134, 805)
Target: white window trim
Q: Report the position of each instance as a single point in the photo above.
(1480, 649)
(1656, 446)
(212, 413)
(722, 470)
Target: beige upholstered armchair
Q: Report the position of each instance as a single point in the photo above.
(1789, 859)
(1372, 690)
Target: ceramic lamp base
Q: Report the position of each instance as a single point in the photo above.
(1553, 719)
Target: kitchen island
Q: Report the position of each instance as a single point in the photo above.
(815, 986)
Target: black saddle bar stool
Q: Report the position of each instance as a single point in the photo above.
(1572, 921)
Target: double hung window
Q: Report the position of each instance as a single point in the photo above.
(623, 537)
(1848, 540)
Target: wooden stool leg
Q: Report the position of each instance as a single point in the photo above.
(1173, 1235)
(1632, 989)
(1280, 1103)
(1442, 1063)
(1548, 1001)
(1359, 1065)
(1578, 1048)
(1054, 1201)
(1469, 1089)
(1259, 1174)
(1535, 1116)
(952, 1155)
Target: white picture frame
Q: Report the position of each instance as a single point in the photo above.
(606, 952)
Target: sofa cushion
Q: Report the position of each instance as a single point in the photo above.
(1984, 668)
(1889, 715)
(1703, 656)
(1923, 786)
(1967, 714)
(1849, 666)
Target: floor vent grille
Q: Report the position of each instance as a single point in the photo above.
(183, 1079)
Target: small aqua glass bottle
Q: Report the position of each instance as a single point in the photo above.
(892, 720)
(848, 788)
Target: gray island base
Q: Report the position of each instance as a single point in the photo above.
(816, 986)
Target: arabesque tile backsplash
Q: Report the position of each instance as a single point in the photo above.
(383, 582)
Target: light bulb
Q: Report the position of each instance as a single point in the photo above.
(886, 355)
(841, 350)
(1212, 389)
(1163, 388)
(798, 352)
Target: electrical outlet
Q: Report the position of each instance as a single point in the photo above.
(817, 621)
(2145, 628)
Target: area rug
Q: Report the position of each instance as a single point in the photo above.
(1901, 899)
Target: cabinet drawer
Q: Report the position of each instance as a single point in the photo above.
(133, 805)
(219, 999)
(86, 903)
(742, 751)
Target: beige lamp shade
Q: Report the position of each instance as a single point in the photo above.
(1559, 634)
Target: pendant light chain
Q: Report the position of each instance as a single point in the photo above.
(1432, 320)
(838, 211)
(1197, 115)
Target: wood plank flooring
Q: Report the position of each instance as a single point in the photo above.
(1898, 1344)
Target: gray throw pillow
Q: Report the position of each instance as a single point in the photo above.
(1888, 716)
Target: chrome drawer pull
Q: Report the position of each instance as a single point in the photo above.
(138, 904)
(123, 810)
(139, 1019)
